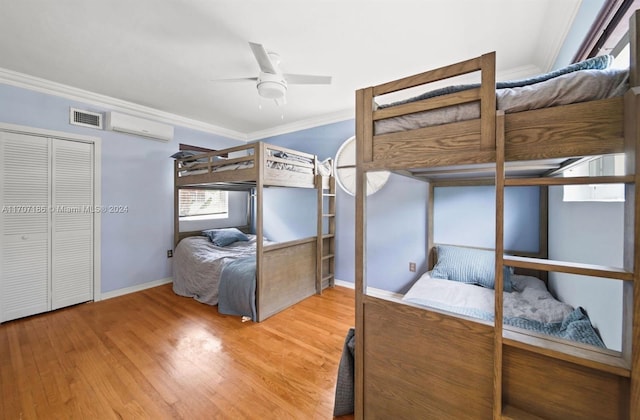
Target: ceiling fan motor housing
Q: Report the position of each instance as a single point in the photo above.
(271, 86)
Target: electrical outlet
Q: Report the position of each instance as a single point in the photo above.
(169, 253)
(412, 267)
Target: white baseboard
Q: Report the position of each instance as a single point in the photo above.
(343, 283)
(371, 291)
(136, 288)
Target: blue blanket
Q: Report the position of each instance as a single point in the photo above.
(237, 289)
(594, 63)
(575, 327)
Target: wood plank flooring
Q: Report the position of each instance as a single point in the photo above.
(153, 354)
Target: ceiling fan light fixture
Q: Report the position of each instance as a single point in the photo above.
(271, 86)
(271, 90)
(271, 82)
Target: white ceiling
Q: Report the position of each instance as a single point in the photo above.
(163, 54)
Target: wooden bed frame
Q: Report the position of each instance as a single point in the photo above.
(414, 362)
(286, 272)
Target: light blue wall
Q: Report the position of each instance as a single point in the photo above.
(387, 220)
(590, 233)
(136, 172)
(466, 216)
(291, 214)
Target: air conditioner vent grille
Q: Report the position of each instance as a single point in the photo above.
(85, 118)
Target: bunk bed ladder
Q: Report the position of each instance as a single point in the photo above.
(325, 266)
(623, 365)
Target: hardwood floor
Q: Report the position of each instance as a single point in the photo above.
(153, 354)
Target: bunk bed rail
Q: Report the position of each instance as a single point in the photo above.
(245, 165)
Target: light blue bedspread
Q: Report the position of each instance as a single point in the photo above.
(576, 326)
(237, 290)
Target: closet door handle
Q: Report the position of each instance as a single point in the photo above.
(25, 237)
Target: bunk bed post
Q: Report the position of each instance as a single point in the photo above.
(260, 155)
(364, 134)
(499, 280)
(631, 332)
(176, 206)
(319, 230)
(488, 101)
(430, 242)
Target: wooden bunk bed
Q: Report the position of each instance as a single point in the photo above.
(286, 272)
(412, 362)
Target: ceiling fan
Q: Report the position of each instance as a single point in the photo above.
(271, 82)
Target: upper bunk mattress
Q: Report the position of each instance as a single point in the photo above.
(567, 88)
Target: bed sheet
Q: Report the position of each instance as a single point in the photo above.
(198, 265)
(530, 306)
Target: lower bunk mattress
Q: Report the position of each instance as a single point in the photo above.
(529, 306)
(215, 275)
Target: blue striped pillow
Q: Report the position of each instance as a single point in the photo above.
(469, 265)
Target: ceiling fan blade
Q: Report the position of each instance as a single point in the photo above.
(240, 79)
(263, 59)
(306, 79)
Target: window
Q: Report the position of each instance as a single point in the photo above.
(195, 202)
(608, 35)
(597, 166)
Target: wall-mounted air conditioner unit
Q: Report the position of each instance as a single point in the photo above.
(116, 121)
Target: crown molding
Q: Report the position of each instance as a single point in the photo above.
(37, 84)
(554, 51)
(338, 116)
(516, 73)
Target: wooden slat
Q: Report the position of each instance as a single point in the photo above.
(236, 175)
(430, 147)
(365, 130)
(556, 389)
(436, 102)
(430, 76)
(288, 276)
(413, 371)
(584, 129)
(594, 358)
(569, 267)
(488, 102)
(578, 180)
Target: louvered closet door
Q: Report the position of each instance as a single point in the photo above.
(72, 223)
(24, 225)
